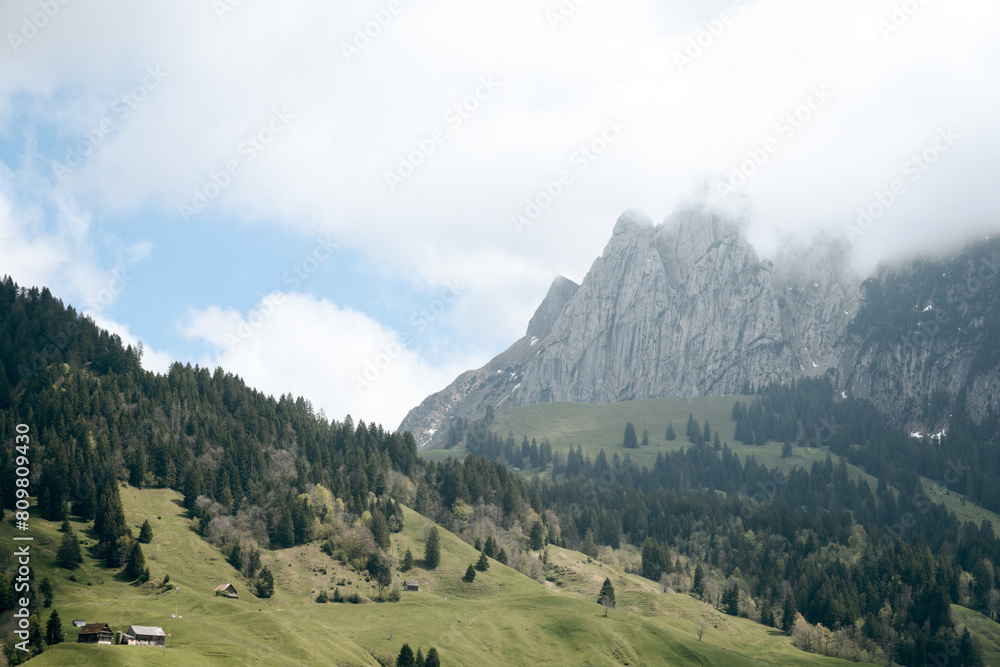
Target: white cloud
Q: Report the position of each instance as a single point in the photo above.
(225, 76)
(341, 360)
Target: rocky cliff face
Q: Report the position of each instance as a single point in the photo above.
(687, 308)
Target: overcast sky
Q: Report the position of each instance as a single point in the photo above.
(355, 202)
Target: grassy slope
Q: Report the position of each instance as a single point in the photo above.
(503, 618)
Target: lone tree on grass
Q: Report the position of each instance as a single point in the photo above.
(69, 555)
(483, 564)
(135, 569)
(146, 532)
(407, 560)
(470, 574)
(671, 434)
(432, 549)
(630, 441)
(607, 596)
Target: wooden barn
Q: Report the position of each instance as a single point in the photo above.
(411, 585)
(95, 633)
(144, 635)
(227, 590)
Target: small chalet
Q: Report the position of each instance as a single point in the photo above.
(95, 633)
(144, 635)
(227, 590)
(411, 585)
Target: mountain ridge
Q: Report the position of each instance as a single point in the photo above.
(689, 308)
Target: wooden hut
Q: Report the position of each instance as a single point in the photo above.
(95, 633)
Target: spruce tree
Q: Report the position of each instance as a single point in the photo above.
(146, 532)
(470, 574)
(788, 612)
(405, 657)
(501, 557)
(483, 564)
(671, 433)
(407, 561)
(490, 548)
(265, 583)
(629, 441)
(69, 555)
(419, 662)
(380, 529)
(537, 538)
(432, 658)
(698, 587)
(607, 596)
(432, 549)
(46, 589)
(731, 600)
(53, 629)
(136, 566)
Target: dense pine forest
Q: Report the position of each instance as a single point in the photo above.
(847, 569)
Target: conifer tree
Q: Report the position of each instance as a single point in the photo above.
(502, 556)
(483, 564)
(419, 662)
(69, 555)
(432, 658)
(490, 548)
(629, 441)
(432, 549)
(607, 593)
(698, 587)
(537, 538)
(788, 612)
(146, 532)
(405, 657)
(380, 529)
(136, 566)
(671, 434)
(265, 583)
(470, 574)
(53, 629)
(407, 561)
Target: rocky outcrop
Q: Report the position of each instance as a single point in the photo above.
(687, 308)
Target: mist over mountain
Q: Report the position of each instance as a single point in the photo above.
(688, 308)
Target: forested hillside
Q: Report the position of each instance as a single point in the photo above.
(849, 570)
